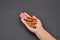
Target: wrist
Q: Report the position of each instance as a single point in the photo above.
(39, 32)
(41, 29)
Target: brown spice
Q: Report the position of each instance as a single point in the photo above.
(31, 21)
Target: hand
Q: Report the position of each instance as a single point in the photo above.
(38, 25)
(39, 31)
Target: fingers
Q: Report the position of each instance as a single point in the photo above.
(22, 19)
(23, 16)
(27, 14)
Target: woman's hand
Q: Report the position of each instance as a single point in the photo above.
(38, 25)
(39, 31)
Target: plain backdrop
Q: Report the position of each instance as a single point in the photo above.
(11, 28)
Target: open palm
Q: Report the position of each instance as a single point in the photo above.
(38, 25)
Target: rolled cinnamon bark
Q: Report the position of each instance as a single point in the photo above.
(31, 21)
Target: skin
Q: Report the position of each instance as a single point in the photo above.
(39, 31)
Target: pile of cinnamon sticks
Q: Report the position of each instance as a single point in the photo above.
(31, 21)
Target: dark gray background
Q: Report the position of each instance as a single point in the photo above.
(11, 27)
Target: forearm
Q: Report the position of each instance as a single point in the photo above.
(42, 34)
